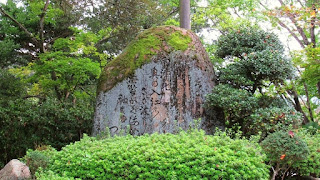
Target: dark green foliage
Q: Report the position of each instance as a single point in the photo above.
(7, 47)
(253, 114)
(166, 156)
(311, 165)
(237, 104)
(272, 119)
(135, 17)
(257, 55)
(286, 143)
(247, 40)
(10, 87)
(24, 46)
(26, 124)
(235, 75)
(36, 159)
(284, 149)
(253, 61)
(312, 127)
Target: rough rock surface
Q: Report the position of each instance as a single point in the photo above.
(160, 89)
(15, 170)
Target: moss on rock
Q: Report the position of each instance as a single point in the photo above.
(154, 41)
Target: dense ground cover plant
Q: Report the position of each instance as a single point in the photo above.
(185, 155)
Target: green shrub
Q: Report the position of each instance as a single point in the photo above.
(272, 119)
(11, 87)
(254, 62)
(191, 155)
(284, 149)
(49, 175)
(311, 165)
(26, 124)
(38, 158)
(236, 103)
(253, 114)
(256, 56)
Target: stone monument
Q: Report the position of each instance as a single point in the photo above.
(158, 84)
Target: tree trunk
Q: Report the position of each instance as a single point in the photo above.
(54, 77)
(308, 101)
(185, 21)
(298, 107)
(312, 26)
(275, 172)
(41, 24)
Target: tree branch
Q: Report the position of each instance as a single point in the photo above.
(20, 25)
(291, 32)
(235, 12)
(286, 27)
(299, 29)
(312, 26)
(300, 3)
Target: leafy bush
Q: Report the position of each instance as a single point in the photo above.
(311, 165)
(237, 104)
(38, 158)
(11, 87)
(191, 155)
(272, 119)
(254, 60)
(253, 114)
(26, 124)
(283, 149)
(257, 55)
(49, 175)
(247, 40)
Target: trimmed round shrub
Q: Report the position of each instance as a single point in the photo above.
(284, 149)
(191, 155)
(311, 165)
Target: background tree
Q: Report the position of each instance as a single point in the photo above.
(301, 20)
(218, 16)
(51, 66)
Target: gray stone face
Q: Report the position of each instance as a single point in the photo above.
(163, 95)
